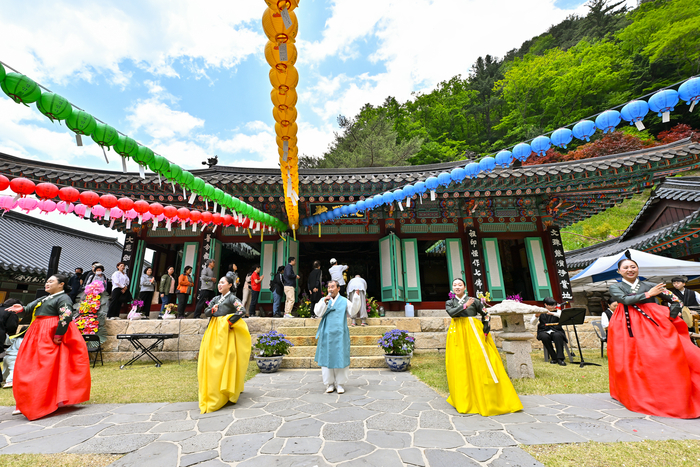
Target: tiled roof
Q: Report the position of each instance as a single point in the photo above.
(26, 246)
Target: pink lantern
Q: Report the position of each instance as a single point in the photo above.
(130, 216)
(114, 214)
(147, 216)
(65, 208)
(27, 204)
(47, 206)
(80, 210)
(7, 203)
(99, 211)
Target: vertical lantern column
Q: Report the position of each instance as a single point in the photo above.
(281, 27)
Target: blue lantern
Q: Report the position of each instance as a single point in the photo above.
(663, 102)
(504, 158)
(325, 216)
(561, 137)
(399, 195)
(377, 200)
(388, 197)
(409, 190)
(444, 179)
(420, 187)
(487, 164)
(690, 92)
(608, 120)
(305, 221)
(472, 170)
(522, 151)
(352, 208)
(634, 112)
(540, 145)
(361, 205)
(584, 130)
(432, 184)
(458, 174)
(344, 210)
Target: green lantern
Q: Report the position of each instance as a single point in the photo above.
(144, 156)
(81, 122)
(126, 146)
(186, 179)
(218, 195)
(198, 186)
(174, 172)
(104, 135)
(159, 164)
(54, 106)
(235, 203)
(2, 72)
(20, 88)
(209, 191)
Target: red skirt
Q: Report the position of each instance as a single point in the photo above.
(656, 372)
(49, 375)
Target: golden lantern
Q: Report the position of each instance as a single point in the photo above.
(285, 117)
(280, 56)
(283, 101)
(285, 81)
(275, 28)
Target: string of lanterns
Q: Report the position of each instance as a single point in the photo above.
(23, 90)
(662, 102)
(110, 208)
(281, 27)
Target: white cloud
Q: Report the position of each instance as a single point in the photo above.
(159, 121)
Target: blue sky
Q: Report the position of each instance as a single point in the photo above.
(189, 79)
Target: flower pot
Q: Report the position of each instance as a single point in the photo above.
(269, 364)
(398, 362)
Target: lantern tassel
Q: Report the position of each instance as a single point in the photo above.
(262, 231)
(105, 153)
(400, 206)
(206, 204)
(140, 219)
(111, 224)
(128, 224)
(319, 230)
(184, 193)
(160, 182)
(182, 225)
(249, 234)
(214, 229)
(78, 140)
(142, 173)
(107, 214)
(88, 210)
(432, 195)
(194, 228)
(692, 106)
(173, 184)
(155, 224)
(216, 205)
(123, 164)
(192, 198)
(408, 202)
(223, 210)
(639, 125)
(666, 117)
(168, 225)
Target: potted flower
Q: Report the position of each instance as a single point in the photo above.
(304, 308)
(134, 312)
(372, 308)
(170, 311)
(271, 347)
(398, 348)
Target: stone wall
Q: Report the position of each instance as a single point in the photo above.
(430, 334)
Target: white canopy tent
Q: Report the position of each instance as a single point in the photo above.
(603, 271)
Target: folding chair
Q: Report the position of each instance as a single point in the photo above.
(94, 350)
(601, 333)
(566, 350)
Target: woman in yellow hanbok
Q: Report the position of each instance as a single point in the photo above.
(224, 352)
(476, 378)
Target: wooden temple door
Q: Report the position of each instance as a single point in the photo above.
(455, 259)
(268, 268)
(137, 269)
(538, 268)
(410, 270)
(391, 269)
(494, 272)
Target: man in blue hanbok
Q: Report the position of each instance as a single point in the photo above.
(333, 347)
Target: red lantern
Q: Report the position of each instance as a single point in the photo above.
(108, 201)
(206, 217)
(156, 209)
(68, 194)
(46, 190)
(228, 219)
(170, 212)
(89, 198)
(4, 183)
(246, 224)
(195, 216)
(125, 204)
(22, 186)
(141, 206)
(217, 219)
(183, 214)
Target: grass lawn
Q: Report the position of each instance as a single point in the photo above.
(141, 382)
(549, 379)
(684, 453)
(57, 460)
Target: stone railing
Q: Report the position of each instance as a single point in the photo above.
(430, 334)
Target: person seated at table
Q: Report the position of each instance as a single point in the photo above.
(224, 352)
(549, 331)
(608, 310)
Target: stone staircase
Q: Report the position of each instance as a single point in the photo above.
(364, 350)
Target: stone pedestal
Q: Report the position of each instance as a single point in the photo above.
(516, 338)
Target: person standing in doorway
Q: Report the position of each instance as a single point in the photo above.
(336, 270)
(247, 295)
(167, 289)
(148, 287)
(277, 288)
(207, 281)
(333, 347)
(184, 286)
(255, 285)
(314, 283)
(290, 281)
(120, 284)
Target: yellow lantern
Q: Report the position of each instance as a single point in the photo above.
(283, 101)
(279, 5)
(292, 152)
(274, 27)
(285, 117)
(283, 82)
(274, 59)
(286, 132)
(290, 142)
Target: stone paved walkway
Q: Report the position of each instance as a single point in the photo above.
(384, 419)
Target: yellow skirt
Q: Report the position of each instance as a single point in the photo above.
(475, 375)
(223, 361)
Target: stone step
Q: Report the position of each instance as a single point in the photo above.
(432, 313)
(354, 330)
(355, 362)
(355, 351)
(394, 314)
(301, 341)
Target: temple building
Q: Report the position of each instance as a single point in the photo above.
(499, 231)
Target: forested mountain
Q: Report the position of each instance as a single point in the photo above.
(579, 67)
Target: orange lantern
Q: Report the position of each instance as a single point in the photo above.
(279, 5)
(291, 141)
(283, 82)
(283, 101)
(275, 29)
(285, 117)
(286, 132)
(280, 56)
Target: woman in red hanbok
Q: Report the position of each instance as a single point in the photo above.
(654, 367)
(52, 367)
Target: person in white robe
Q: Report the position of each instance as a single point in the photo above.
(357, 296)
